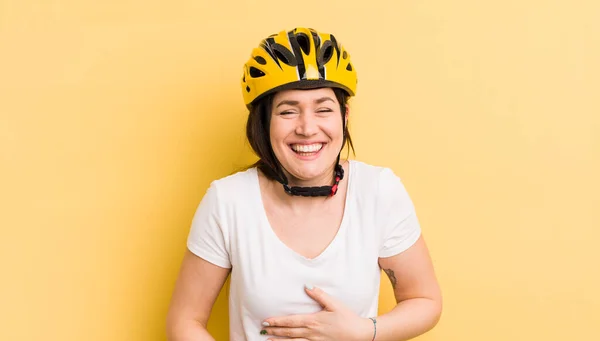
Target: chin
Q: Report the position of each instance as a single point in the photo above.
(308, 169)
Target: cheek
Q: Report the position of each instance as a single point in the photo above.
(334, 130)
(278, 133)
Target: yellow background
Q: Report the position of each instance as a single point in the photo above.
(116, 115)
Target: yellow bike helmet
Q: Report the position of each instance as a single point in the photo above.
(298, 59)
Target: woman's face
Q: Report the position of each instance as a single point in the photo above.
(307, 134)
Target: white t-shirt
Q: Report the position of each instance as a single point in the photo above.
(230, 229)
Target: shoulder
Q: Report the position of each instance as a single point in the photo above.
(229, 188)
(379, 186)
(374, 178)
(239, 179)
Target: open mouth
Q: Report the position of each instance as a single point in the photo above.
(307, 149)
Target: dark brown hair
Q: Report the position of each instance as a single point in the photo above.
(258, 128)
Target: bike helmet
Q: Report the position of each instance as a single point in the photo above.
(301, 58)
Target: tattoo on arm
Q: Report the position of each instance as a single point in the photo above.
(391, 276)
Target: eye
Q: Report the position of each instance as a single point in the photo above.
(284, 113)
(324, 110)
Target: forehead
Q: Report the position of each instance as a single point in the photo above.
(304, 96)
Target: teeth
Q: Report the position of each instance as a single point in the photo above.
(310, 148)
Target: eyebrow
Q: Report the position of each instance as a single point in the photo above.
(318, 101)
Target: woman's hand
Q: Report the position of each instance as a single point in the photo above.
(334, 322)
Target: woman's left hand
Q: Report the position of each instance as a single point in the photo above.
(334, 322)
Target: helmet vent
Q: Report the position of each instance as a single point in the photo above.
(326, 53)
(285, 55)
(260, 60)
(349, 67)
(345, 55)
(256, 73)
(303, 42)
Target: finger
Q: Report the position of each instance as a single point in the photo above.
(286, 332)
(326, 301)
(290, 321)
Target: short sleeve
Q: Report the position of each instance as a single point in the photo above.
(208, 237)
(398, 221)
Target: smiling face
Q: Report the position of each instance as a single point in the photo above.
(306, 134)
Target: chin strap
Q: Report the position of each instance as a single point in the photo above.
(318, 191)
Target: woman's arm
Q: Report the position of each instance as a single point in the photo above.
(417, 293)
(196, 290)
(418, 310)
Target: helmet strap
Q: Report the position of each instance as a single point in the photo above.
(317, 191)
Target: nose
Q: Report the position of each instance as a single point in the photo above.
(307, 125)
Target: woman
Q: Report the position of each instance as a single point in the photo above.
(304, 234)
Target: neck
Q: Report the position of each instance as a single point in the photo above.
(326, 179)
(297, 203)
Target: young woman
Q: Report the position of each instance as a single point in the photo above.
(303, 233)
